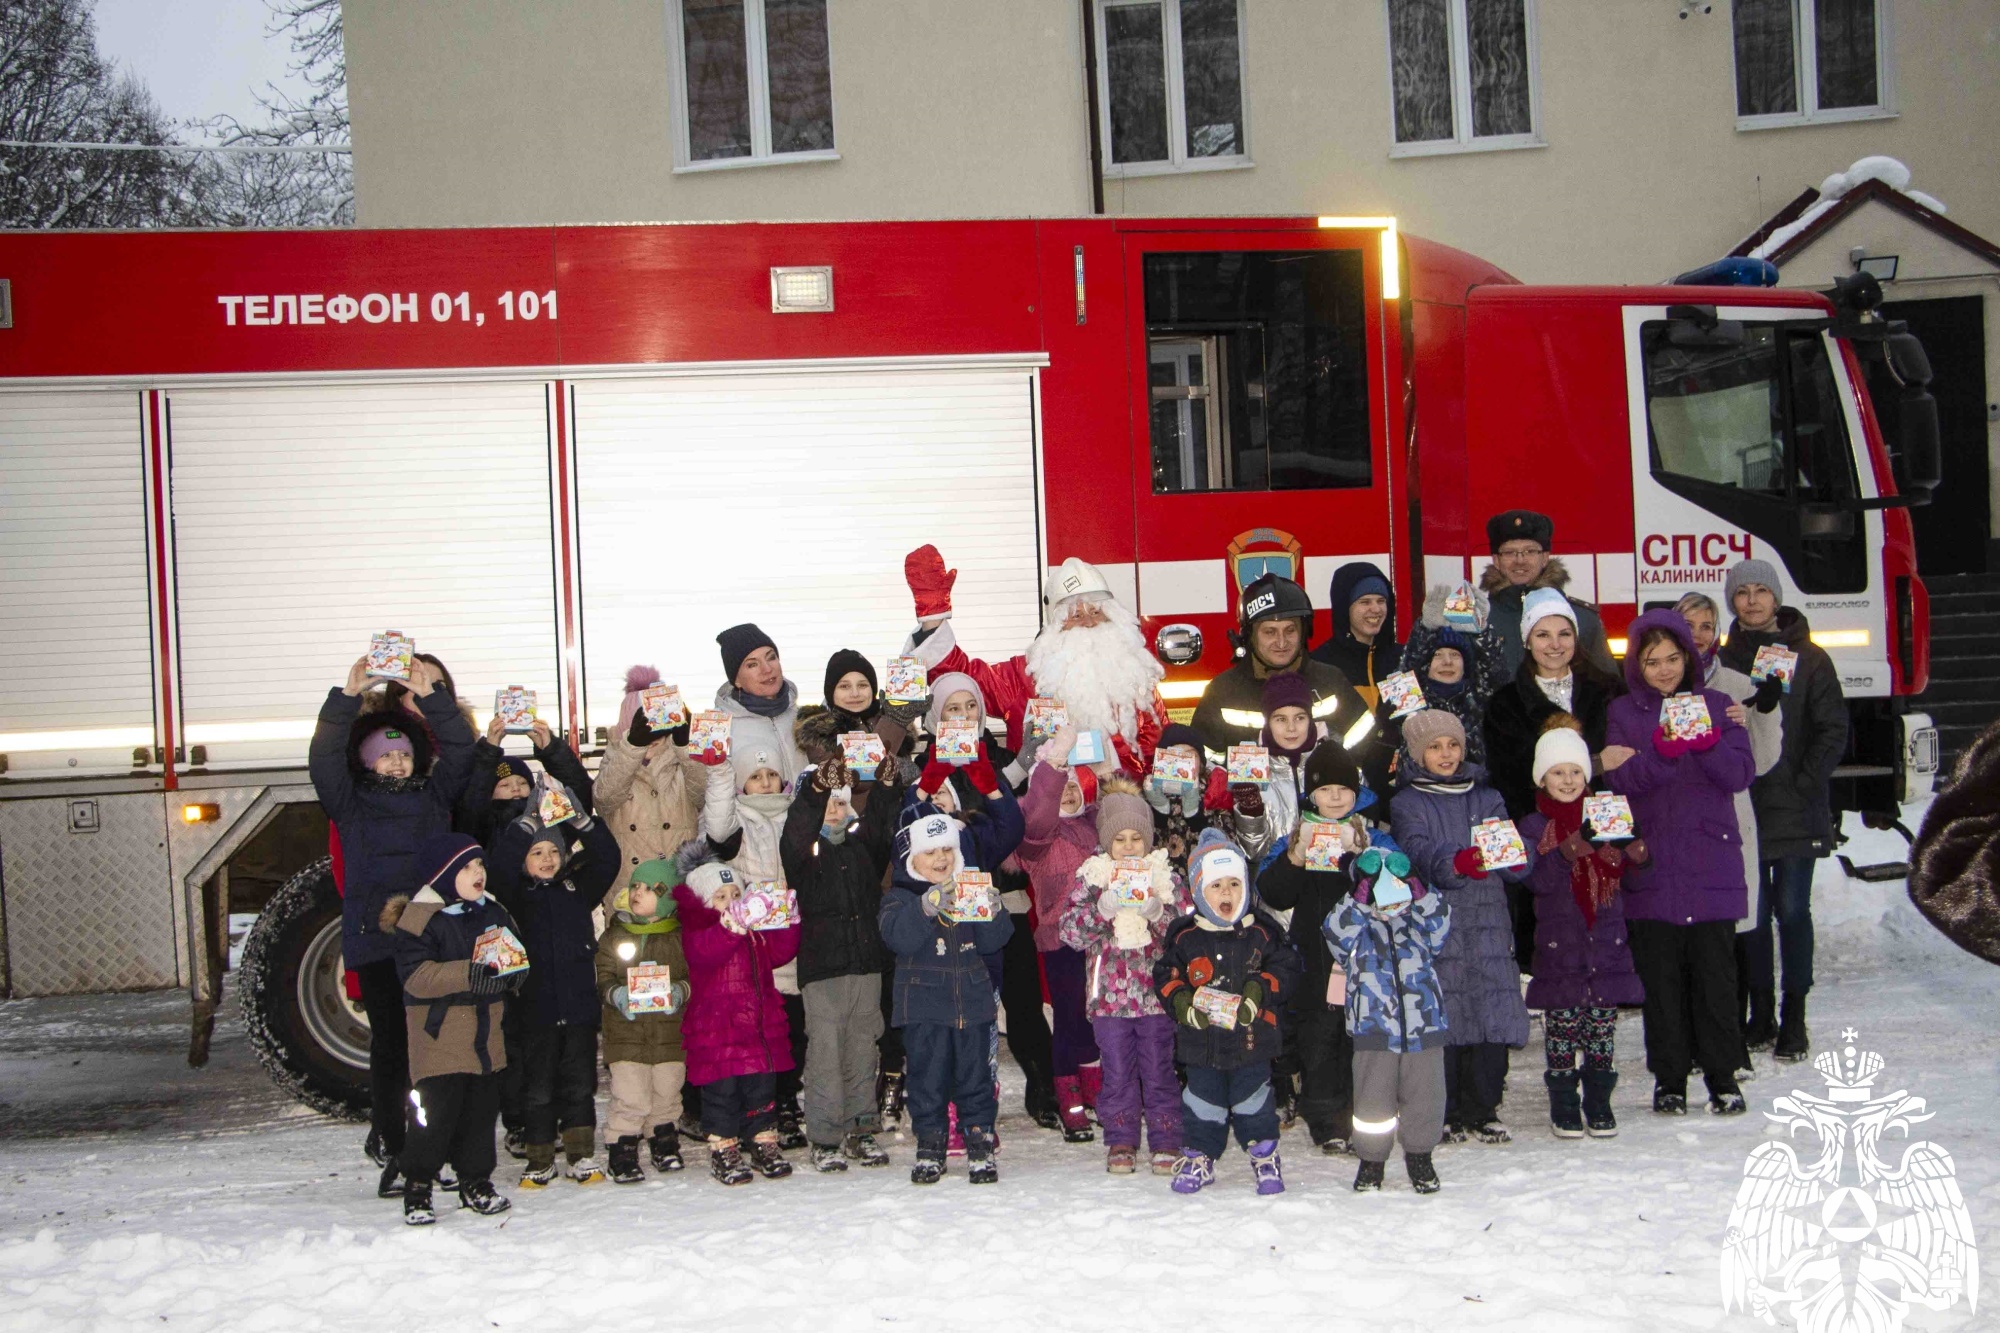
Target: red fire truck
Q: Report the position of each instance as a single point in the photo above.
(549, 453)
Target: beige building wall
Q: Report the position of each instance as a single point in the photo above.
(523, 111)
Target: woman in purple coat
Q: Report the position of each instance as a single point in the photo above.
(1681, 914)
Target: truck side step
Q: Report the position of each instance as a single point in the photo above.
(1878, 873)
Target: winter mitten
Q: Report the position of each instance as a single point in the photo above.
(1185, 1012)
(980, 771)
(679, 735)
(1669, 747)
(484, 979)
(933, 901)
(677, 996)
(640, 733)
(1575, 847)
(1637, 852)
(1708, 740)
(1253, 1001)
(833, 775)
(1215, 796)
(1434, 598)
(930, 582)
(1153, 908)
(1248, 799)
(1107, 905)
(621, 1000)
(1469, 863)
(935, 775)
(1769, 691)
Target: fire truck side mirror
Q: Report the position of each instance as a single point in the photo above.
(1920, 450)
(1696, 326)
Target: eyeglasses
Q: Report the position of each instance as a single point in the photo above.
(1518, 552)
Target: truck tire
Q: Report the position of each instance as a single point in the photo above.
(310, 1038)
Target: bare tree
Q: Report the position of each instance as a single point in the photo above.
(296, 188)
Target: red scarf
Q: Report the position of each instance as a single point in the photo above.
(1591, 881)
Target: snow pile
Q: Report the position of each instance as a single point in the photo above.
(1836, 187)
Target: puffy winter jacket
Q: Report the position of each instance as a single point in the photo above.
(1053, 845)
(451, 1029)
(735, 1021)
(1194, 955)
(382, 823)
(746, 727)
(480, 816)
(1794, 811)
(1684, 804)
(557, 922)
(1432, 818)
(1395, 1001)
(1484, 675)
(839, 885)
(1364, 664)
(1120, 978)
(1514, 719)
(1311, 896)
(1231, 711)
(651, 797)
(1577, 965)
(647, 1039)
(942, 975)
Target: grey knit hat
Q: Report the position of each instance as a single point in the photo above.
(1745, 572)
(1426, 725)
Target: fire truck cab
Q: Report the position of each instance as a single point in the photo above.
(549, 453)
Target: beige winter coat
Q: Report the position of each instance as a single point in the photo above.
(651, 797)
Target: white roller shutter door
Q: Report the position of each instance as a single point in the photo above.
(76, 662)
(308, 518)
(790, 500)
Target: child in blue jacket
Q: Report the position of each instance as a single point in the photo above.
(1387, 935)
(944, 999)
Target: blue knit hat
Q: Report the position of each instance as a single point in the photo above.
(444, 855)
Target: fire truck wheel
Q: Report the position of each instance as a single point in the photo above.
(311, 1039)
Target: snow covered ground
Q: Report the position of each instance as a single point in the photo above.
(137, 1193)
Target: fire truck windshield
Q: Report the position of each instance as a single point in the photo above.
(1753, 430)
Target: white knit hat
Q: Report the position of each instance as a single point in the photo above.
(1560, 745)
(711, 878)
(929, 832)
(1542, 603)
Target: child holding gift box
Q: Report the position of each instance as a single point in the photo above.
(1223, 969)
(649, 788)
(1264, 815)
(1583, 965)
(1388, 934)
(1120, 942)
(1439, 798)
(1682, 915)
(538, 875)
(736, 1033)
(945, 996)
(452, 1010)
(1458, 666)
(643, 1049)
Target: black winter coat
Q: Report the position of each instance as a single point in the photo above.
(1255, 948)
(382, 824)
(1514, 720)
(556, 921)
(1794, 810)
(839, 885)
(1364, 664)
(480, 816)
(1310, 896)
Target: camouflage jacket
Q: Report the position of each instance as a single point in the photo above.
(1394, 1001)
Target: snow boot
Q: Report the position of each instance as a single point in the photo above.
(375, 1150)
(390, 1184)
(1726, 1103)
(540, 1170)
(624, 1157)
(1453, 1132)
(826, 1158)
(516, 1145)
(1164, 1161)
(928, 1169)
(1090, 1082)
(791, 1126)
(579, 1141)
(1194, 1171)
(1423, 1176)
(726, 1164)
(1668, 1102)
(665, 1148)
(417, 1211)
(1335, 1147)
(1121, 1161)
(1491, 1131)
(447, 1179)
(1368, 1177)
(861, 1148)
(1040, 1102)
(767, 1157)
(1761, 1029)
(482, 1198)
(1268, 1167)
(1070, 1110)
(1793, 1040)
(889, 1097)
(1565, 1113)
(689, 1127)
(981, 1169)
(1598, 1121)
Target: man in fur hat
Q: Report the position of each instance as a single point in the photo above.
(1090, 654)
(1520, 540)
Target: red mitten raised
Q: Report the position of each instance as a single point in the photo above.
(934, 776)
(1469, 863)
(1216, 795)
(980, 771)
(1668, 747)
(930, 582)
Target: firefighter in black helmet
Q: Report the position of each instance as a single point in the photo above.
(1274, 630)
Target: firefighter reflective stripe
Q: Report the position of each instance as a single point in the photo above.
(1358, 732)
(76, 659)
(309, 517)
(791, 499)
(1243, 717)
(1327, 707)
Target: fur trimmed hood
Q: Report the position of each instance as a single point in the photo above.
(1554, 575)
(410, 911)
(423, 749)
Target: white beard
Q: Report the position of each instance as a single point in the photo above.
(1103, 675)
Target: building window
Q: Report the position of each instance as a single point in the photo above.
(1462, 75)
(756, 85)
(1804, 61)
(1170, 83)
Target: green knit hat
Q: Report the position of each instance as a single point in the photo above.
(662, 875)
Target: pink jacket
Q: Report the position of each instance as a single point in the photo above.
(1119, 980)
(1052, 848)
(735, 1021)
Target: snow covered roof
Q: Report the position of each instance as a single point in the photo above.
(1880, 180)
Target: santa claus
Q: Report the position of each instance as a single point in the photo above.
(1090, 655)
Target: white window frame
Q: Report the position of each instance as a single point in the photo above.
(757, 52)
(1463, 140)
(1178, 162)
(1805, 73)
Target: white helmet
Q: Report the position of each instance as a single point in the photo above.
(1074, 578)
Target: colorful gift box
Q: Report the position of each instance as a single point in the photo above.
(516, 709)
(1609, 816)
(1089, 749)
(864, 753)
(956, 743)
(662, 706)
(1323, 843)
(908, 682)
(553, 804)
(1686, 718)
(1250, 763)
(649, 989)
(1499, 843)
(1775, 661)
(1404, 692)
(1045, 717)
(1175, 774)
(1461, 609)
(1131, 881)
(768, 905)
(708, 736)
(1219, 1007)
(973, 898)
(500, 947)
(390, 655)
